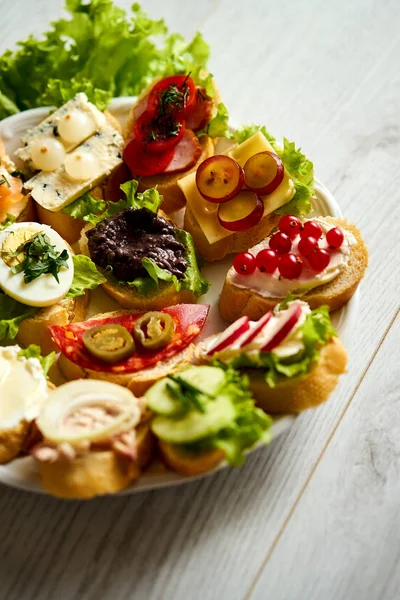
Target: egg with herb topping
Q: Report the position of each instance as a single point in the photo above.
(32, 258)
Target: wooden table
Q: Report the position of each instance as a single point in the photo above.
(316, 515)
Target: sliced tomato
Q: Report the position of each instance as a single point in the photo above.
(158, 133)
(144, 163)
(189, 320)
(176, 94)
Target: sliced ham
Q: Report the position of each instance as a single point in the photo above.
(140, 108)
(202, 113)
(186, 153)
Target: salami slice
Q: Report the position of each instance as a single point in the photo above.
(186, 153)
(189, 320)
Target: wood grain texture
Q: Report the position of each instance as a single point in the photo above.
(327, 77)
(350, 549)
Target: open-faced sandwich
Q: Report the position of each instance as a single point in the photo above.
(132, 349)
(41, 283)
(14, 203)
(163, 134)
(233, 199)
(23, 390)
(147, 261)
(291, 355)
(203, 416)
(321, 260)
(74, 150)
(96, 439)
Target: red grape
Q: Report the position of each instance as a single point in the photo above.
(307, 245)
(311, 229)
(290, 225)
(319, 259)
(280, 242)
(267, 261)
(290, 266)
(335, 237)
(244, 263)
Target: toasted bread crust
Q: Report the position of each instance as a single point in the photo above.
(189, 463)
(34, 330)
(237, 242)
(236, 302)
(97, 472)
(12, 440)
(138, 382)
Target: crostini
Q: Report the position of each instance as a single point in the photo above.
(41, 283)
(291, 355)
(203, 416)
(321, 260)
(233, 199)
(96, 439)
(24, 389)
(131, 349)
(161, 135)
(74, 150)
(147, 261)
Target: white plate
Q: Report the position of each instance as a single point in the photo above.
(22, 473)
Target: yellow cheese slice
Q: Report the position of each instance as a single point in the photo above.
(206, 212)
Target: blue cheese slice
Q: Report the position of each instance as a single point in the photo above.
(56, 189)
(49, 127)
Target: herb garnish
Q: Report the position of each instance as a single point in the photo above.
(5, 180)
(40, 257)
(187, 393)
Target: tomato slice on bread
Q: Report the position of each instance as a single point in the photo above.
(176, 94)
(189, 319)
(144, 163)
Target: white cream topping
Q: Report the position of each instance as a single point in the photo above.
(275, 286)
(23, 387)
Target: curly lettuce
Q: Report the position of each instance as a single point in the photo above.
(99, 49)
(12, 313)
(86, 276)
(33, 351)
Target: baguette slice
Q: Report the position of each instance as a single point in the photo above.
(294, 394)
(129, 297)
(237, 242)
(98, 472)
(189, 463)
(138, 382)
(167, 184)
(235, 301)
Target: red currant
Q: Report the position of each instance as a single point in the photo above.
(280, 242)
(311, 229)
(307, 245)
(319, 259)
(244, 263)
(267, 261)
(335, 237)
(290, 225)
(290, 266)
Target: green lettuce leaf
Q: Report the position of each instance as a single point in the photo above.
(317, 331)
(99, 49)
(151, 284)
(11, 315)
(218, 126)
(33, 351)
(10, 219)
(85, 207)
(86, 276)
(246, 131)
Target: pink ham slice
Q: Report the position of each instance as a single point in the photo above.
(186, 154)
(202, 113)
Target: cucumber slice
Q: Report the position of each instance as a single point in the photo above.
(207, 379)
(219, 413)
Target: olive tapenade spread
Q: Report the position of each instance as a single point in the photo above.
(124, 240)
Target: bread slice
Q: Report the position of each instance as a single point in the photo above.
(34, 330)
(235, 301)
(97, 472)
(189, 463)
(138, 382)
(167, 184)
(130, 298)
(237, 242)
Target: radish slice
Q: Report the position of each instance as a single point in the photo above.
(230, 335)
(261, 323)
(293, 314)
(263, 172)
(219, 178)
(242, 212)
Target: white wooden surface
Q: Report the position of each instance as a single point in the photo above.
(315, 515)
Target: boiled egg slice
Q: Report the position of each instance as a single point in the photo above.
(45, 290)
(23, 387)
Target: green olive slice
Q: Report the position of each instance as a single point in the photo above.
(110, 343)
(154, 330)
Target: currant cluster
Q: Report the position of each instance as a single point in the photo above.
(279, 255)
